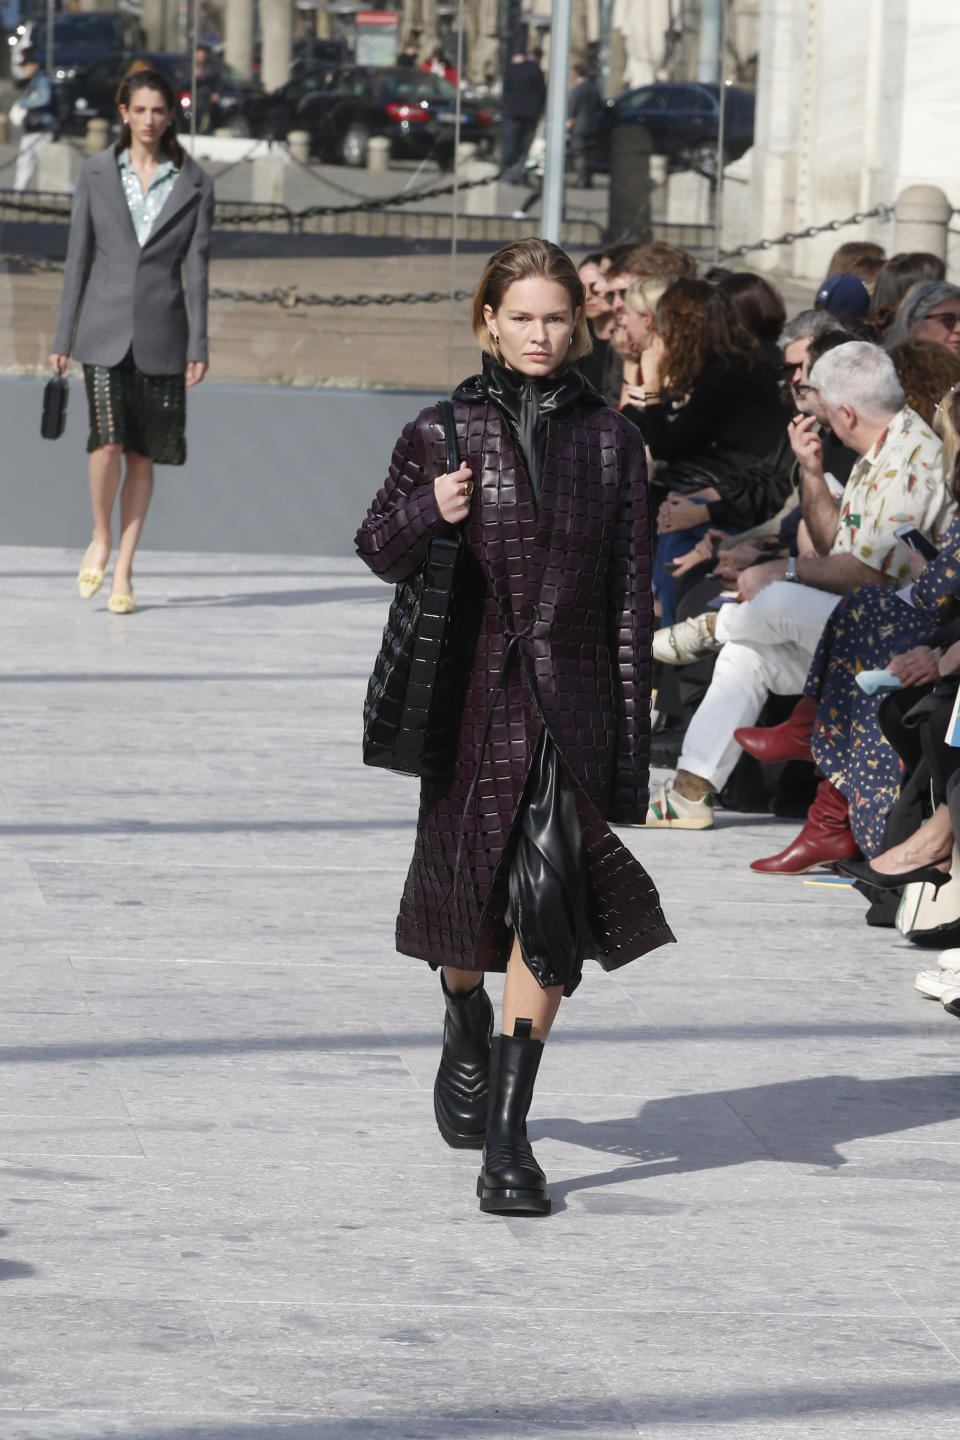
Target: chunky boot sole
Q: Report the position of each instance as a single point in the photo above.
(512, 1202)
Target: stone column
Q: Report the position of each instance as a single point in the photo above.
(238, 35)
(276, 19)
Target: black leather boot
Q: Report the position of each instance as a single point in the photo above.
(511, 1181)
(460, 1091)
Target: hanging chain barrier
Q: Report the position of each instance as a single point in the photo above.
(289, 297)
(789, 237)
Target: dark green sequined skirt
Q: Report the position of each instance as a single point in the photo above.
(143, 413)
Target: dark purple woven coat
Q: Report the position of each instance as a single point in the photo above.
(562, 600)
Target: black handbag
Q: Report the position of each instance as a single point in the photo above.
(411, 716)
(54, 418)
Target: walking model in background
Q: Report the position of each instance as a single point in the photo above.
(524, 96)
(139, 235)
(584, 122)
(515, 867)
(36, 119)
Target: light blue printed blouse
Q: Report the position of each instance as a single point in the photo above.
(144, 208)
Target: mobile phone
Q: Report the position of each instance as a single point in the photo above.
(915, 539)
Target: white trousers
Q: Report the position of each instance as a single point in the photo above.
(28, 157)
(769, 642)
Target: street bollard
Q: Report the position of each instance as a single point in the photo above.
(629, 185)
(98, 136)
(378, 153)
(921, 219)
(298, 143)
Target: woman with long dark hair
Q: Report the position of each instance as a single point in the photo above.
(708, 410)
(139, 238)
(515, 868)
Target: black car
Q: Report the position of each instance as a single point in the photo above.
(683, 119)
(342, 109)
(91, 93)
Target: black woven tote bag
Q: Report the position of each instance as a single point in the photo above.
(410, 716)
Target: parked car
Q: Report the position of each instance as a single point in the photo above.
(78, 38)
(683, 120)
(317, 55)
(91, 92)
(342, 109)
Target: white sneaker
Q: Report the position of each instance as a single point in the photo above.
(670, 811)
(936, 983)
(685, 642)
(949, 959)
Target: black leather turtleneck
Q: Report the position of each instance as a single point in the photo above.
(528, 405)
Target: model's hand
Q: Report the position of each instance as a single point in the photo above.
(59, 362)
(196, 369)
(915, 667)
(758, 577)
(453, 494)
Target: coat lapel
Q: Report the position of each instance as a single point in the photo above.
(185, 188)
(107, 172)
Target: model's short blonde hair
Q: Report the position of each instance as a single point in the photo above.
(529, 260)
(643, 296)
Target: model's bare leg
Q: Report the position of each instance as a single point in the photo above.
(134, 503)
(524, 999)
(105, 472)
(458, 981)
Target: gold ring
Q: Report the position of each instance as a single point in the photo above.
(468, 488)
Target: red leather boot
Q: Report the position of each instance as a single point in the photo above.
(825, 837)
(789, 741)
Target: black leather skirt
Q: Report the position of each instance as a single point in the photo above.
(548, 875)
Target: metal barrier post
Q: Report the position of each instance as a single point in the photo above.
(629, 185)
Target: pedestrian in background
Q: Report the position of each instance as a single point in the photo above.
(515, 867)
(140, 232)
(584, 121)
(524, 96)
(37, 120)
(208, 90)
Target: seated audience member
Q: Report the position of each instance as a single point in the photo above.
(767, 642)
(926, 371)
(637, 329)
(759, 307)
(848, 255)
(600, 368)
(895, 279)
(836, 723)
(844, 295)
(627, 264)
(726, 413)
(928, 311)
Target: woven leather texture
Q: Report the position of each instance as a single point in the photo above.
(560, 611)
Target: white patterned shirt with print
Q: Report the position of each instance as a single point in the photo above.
(898, 482)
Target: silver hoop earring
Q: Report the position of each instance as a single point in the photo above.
(569, 342)
(496, 337)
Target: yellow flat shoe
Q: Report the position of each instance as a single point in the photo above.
(89, 582)
(122, 604)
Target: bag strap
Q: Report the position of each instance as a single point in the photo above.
(449, 436)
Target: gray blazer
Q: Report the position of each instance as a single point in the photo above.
(127, 295)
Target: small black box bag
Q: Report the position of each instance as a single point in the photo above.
(411, 717)
(54, 418)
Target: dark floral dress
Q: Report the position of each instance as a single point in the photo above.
(868, 628)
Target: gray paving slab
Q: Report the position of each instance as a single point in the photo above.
(226, 1213)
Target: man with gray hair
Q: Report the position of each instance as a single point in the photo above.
(767, 643)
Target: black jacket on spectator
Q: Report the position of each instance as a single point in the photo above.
(584, 108)
(603, 369)
(725, 435)
(524, 90)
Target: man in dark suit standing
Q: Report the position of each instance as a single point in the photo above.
(524, 96)
(583, 124)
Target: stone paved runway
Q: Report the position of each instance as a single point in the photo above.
(225, 1212)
